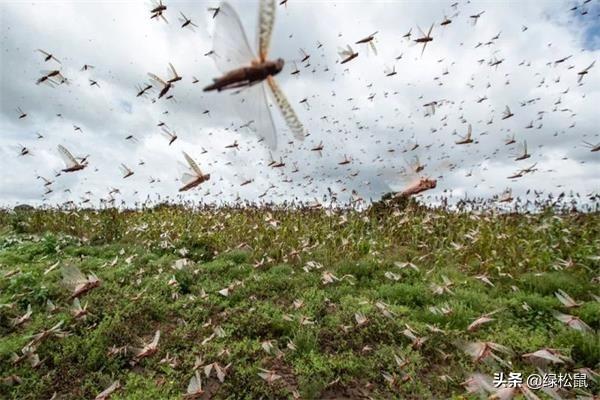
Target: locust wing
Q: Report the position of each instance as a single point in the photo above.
(230, 44)
(154, 343)
(72, 276)
(251, 103)
(157, 79)
(104, 395)
(188, 178)
(265, 127)
(173, 70)
(291, 119)
(125, 170)
(345, 52)
(372, 46)
(67, 156)
(195, 385)
(414, 171)
(266, 21)
(192, 164)
(591, 65)
(165, 132)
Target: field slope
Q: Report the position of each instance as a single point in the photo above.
(322, 304)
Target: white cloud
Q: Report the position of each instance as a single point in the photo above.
(124, 44)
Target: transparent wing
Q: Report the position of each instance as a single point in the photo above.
(372, 45)
(173, 69)
(109, 390)
(252, 104)
(72, 276)
(406, 173)
(288, 112)
(77, 304)
(157, 79)
(590, 66)
(230, 44)
(66, 156)
(562, 317)
(265, 128)
(195, 384)
(192, 163)
(166, 134)
(266, 20)
(345, 52)
(399, 179)
(187, 178)
(156, 339)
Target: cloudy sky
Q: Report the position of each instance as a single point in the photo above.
(356, 110)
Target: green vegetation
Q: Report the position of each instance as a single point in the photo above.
(298, 283)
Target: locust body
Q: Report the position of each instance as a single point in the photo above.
(246, 76)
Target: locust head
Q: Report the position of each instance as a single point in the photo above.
(427, 183)
(276, 66)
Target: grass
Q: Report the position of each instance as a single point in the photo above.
(271, 258)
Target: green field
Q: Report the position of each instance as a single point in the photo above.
(326, 302)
